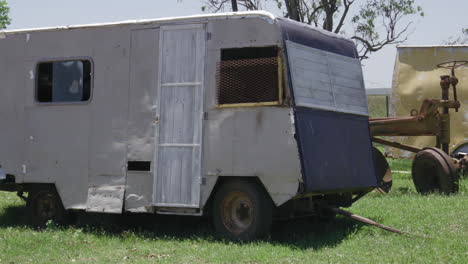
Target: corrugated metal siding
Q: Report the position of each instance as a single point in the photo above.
(326, 80)
(178, 161)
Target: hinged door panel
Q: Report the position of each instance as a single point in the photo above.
(178, 150)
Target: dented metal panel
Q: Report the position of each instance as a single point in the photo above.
(144, 56)
(247, 141)
(178, 159)
(106, 199)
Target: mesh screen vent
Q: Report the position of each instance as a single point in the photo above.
(247, 81)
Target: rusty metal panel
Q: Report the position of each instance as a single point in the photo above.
(178, 158)
(416, 78)
(325, 80)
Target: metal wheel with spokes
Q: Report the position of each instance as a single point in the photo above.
(45, 205)
(452, 64)
(242, 211)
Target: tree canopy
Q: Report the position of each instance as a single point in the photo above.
(4, 19)
(374, 23)
(462, 39)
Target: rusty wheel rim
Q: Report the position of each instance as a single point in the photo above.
(452, 64)
(237, 212)
(435, 172)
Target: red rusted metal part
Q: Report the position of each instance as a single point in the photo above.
(432, 170)
(429, 121)
(395, 144)
(452, 65)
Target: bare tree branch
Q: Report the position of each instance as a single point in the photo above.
(347, 4)
(376, 24)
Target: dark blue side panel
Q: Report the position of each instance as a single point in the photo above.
(309, 36)
(336, 152)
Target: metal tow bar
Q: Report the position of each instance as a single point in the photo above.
(365, 220)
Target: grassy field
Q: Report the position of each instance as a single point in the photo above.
(438, 227)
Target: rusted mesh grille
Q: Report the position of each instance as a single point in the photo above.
(248, 81)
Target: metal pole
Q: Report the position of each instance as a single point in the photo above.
(366, 220)
(234, 5)
(387, 107)
(444, 135)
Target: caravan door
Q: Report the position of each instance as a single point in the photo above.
(179, 111)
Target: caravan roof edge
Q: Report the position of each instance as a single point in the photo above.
(243, 14)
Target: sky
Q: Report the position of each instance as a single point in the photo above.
(443, 19)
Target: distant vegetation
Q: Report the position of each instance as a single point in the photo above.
(4, 18)
(377, 106)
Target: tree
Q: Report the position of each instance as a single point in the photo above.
(4, 19)
(463, 39)
(375, 23)
(221, 5)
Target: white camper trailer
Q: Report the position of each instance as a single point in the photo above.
(235, 115)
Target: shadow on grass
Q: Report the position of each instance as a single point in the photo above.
(308, 233)
(404, 190)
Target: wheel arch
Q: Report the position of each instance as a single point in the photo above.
(277, 190)
(35, 187)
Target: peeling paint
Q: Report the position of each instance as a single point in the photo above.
(107, 199)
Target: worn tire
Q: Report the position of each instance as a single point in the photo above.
(433, 171)
(43, 205)
(242, 211)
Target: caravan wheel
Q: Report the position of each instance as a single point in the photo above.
(242, 211)
(45, 205)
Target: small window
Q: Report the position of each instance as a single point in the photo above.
(63, 81)
(139, 166)
(249, 76)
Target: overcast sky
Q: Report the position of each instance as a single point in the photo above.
(443, 19)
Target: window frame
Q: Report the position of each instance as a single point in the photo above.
(280, 100)
(64, 59)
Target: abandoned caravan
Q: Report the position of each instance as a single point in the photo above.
(242, 116)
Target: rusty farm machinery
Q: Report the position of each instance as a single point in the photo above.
(433, 169)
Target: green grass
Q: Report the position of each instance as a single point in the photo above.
(438, 226)
(377, 105)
